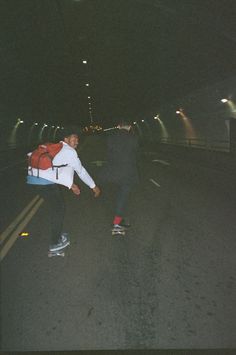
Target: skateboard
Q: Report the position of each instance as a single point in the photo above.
(56, 253)
(116, 231)
(60, 252)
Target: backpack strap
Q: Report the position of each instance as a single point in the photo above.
(57, 167)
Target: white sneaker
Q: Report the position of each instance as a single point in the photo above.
(118, 227)
(59, 246)
(64, 237)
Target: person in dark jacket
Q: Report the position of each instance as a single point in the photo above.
(121, 168)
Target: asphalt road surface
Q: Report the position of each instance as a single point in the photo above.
(169, 283)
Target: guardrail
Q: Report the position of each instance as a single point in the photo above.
(206, 144)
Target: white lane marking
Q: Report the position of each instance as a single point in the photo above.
(155, 183)
(160, 161)
(11, 240)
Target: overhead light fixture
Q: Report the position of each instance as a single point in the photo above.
(224, 100)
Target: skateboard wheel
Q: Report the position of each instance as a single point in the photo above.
(50, 255)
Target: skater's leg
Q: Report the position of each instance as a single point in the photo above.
(53, 197)
(122, 196)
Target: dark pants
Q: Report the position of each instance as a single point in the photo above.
(122, 196)
(54, 207)
(119, 194)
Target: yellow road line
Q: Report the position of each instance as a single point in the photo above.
(13, 225)
(21, 226)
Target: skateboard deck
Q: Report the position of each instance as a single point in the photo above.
(118, 232)
(56, 253)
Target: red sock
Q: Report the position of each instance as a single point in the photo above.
(117, 220)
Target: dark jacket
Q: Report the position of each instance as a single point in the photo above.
(121, 166)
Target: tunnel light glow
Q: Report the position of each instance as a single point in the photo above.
(84, 61)
(189, 129)
(41, 131)
(142, 120)
(87, 84)
(13, 134)
(36, 123)
(164, 132)
(182, 114)
(224, 100)
(232, 107)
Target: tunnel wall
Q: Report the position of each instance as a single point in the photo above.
(207, 118)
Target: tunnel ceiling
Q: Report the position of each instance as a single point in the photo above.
(141, 55)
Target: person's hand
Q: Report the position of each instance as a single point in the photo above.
(96, 191)
(75, 188)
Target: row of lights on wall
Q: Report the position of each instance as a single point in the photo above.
(90, 111)
(181, 112)
(178, 112)
(85, 62)
(20, 121)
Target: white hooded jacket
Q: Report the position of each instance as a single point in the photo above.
(64, 175)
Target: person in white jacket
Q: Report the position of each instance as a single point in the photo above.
(47, 183)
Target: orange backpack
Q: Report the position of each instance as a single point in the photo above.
(42, 157)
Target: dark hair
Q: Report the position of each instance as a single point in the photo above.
(69, 131)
